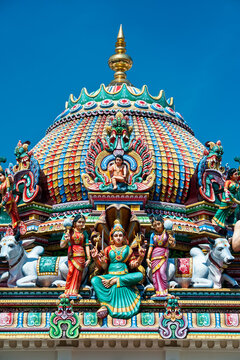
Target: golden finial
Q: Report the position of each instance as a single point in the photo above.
(120, 62)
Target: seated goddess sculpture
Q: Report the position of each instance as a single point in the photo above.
(115, 290)
(118, 171)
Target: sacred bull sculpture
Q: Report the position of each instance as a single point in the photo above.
(207, 270)
(29, 269)
(203, 271)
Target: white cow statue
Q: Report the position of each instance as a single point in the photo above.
(207, 271)
(29, 269)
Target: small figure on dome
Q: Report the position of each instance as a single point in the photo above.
(115, 290)
(78, 248)
(158, 252)
(229, 201)
(7, 198)
(214, 154)
(22, 156)
(118, 172)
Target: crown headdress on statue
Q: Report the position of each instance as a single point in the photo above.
(117, 227)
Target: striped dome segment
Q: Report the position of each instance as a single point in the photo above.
(151, 137)
(62, 152)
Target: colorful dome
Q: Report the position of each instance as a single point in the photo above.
(175, 151)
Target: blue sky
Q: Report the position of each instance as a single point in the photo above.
(51, 49)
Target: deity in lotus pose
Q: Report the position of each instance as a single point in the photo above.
(117, 290)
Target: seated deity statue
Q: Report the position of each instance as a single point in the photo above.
(116, 291)
(118, 171)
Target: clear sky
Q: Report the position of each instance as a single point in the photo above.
(50, 49)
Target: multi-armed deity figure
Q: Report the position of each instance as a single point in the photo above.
(115, 289)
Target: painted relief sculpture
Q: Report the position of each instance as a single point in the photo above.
(7, 199)
(64, 323)
(157, 257)
(214, 154)
(119, 163)
(23, 156)
(26, 173)
(115, 290)
(173, 324)
(225, 213)
(78, 247)
(211, 173)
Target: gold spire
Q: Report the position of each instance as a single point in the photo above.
(120, 62)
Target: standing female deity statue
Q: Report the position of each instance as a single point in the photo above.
(229, 201)
(115, 290)
(157, 257)
(7, 198)
(78, 247)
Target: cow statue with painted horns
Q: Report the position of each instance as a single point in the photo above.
(207, 270)
(29, 269)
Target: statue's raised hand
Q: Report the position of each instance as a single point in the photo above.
(102, 258)
(94, 253)
(141, 252)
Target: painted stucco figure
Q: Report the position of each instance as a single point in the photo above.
(116, 290)
(7, 198)
(118, 172)
(210, 173)
(229, 200)
(157, 257)
(23, 156)
(119, 162)
(78, 248)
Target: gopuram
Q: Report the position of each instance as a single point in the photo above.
(120, 233)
